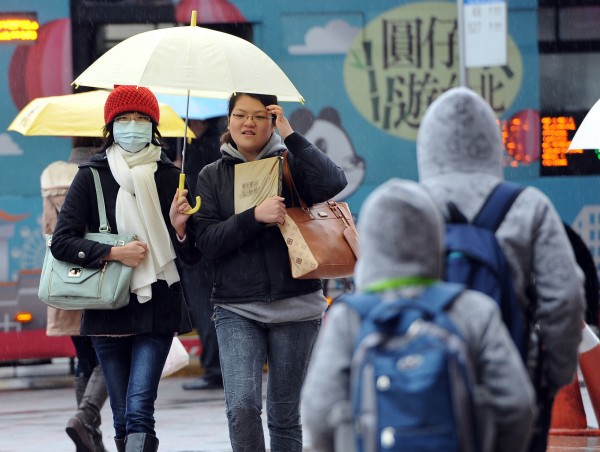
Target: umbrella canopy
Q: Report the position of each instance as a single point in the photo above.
(190, 60)
(81, 115)
(587, 135)
(198, 108)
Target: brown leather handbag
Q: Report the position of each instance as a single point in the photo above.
(322, 239)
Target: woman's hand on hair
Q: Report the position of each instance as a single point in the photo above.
(177, 214)
(282, 123)
(271, 210)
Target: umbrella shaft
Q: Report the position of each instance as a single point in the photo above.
(187, 110)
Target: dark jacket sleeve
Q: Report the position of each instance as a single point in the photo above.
(78, 213)
(316, 176)
(186, 249)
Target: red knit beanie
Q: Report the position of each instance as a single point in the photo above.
(131, 98)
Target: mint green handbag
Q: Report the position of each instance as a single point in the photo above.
(70, 286)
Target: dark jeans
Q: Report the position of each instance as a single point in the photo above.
(132, 366)
(244, 346)
(196, 281)
(86, 356)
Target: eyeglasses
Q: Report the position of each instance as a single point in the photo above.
(255, 118)
(126, 118)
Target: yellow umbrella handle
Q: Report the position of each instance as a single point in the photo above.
(181, 187)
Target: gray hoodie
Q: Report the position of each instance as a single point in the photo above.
(459, 151)
(401, 233)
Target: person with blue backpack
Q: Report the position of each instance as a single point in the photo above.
(460, 162)
(408, 362)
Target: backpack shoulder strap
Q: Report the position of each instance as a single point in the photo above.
(362, 303)
(436, 300)
(439, 296)
(497, 205)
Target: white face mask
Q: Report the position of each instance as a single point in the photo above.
(132, 136)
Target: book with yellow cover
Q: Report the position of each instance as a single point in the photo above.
(256, 181)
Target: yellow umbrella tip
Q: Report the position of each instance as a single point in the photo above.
(194, 18)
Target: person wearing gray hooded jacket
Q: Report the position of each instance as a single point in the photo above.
(459, 153)
(401, 233)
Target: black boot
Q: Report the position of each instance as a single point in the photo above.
(120, 443)
(75, 428)
(141, 442)
(84, 426)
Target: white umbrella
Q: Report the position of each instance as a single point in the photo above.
(190, 60)
(587, 135)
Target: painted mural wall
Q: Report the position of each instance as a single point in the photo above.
(29, 71)
(368, 71)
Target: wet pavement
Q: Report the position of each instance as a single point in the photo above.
(36, 401)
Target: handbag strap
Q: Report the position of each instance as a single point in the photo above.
(289, 181)
(104, 226)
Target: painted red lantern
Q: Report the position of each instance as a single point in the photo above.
(44, 68)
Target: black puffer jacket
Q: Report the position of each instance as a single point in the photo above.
(166, 312)
(251, 259)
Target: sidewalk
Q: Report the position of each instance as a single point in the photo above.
(34, 410)
(36, 401)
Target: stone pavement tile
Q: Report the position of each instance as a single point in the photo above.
(573, 444)
(35, 420)
(34, 412)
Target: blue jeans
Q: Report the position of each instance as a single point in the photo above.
(244, 346)
(132, 366)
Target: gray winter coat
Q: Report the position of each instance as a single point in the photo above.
(460, 151)
(401, 235)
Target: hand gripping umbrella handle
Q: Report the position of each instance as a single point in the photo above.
(181, 187)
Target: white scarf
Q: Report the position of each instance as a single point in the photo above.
(138, 212)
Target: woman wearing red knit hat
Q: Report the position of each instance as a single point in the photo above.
(139, 184)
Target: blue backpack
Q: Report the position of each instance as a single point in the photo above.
(412, 382)
(475, 258)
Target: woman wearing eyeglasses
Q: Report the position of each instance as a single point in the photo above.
(138, 183)
(262, 315)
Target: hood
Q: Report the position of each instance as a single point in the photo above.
(273, 146)
(401, 233)
(459, 133)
